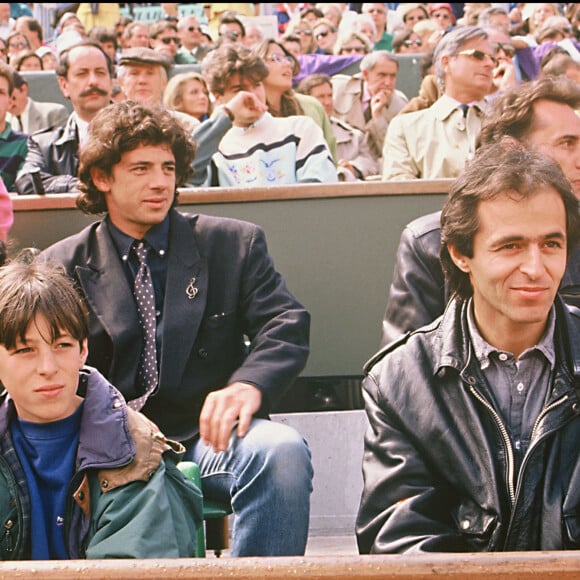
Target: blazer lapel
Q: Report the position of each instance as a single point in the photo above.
(111, 299)
(185, 298)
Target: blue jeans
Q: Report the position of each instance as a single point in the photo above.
(267, 476)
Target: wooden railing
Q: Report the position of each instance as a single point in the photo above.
(495, 566)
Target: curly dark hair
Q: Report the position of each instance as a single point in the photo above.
(122, 127)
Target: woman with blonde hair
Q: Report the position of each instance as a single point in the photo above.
(188, 93)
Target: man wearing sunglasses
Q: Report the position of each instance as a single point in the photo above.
(437, 141)
(191, 38)
(164, 37)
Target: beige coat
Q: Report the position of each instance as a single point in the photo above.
(348, 96)
(431, 143)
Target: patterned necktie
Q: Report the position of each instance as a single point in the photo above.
(145, 298)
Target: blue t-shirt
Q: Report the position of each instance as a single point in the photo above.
(47, 452)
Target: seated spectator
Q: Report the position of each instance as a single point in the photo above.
(355, 161)
(407, 42)
(353, 43)
(436, 142)
(191, 40)
(363, 24)
(558, 61)
(292, 44)
(120, 26)
(281, 98)
(142, 74)
(217, 405)
(188, 92)
(325, 36)
(379, 13)
(473, 438)
(271, 150)
(164, 38)
(48, 57)
(494, 17)
(411, 13)
(27, 60)
(17, 44)
(66, 431)
(27, 115)
(13, 146)
(136, 34)
(527, 20)
(32, 29)
(254, 34)
(85, 77)
(230, 29)
(331, 12)
(303, 29)
(107, 38)
(442, 13)
(429, 33)
(572, 13)
(369, 100)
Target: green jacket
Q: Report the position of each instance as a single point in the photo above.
(126, 499)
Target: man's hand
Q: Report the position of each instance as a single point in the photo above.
(246, 108)
(221, 409)
(378, 102)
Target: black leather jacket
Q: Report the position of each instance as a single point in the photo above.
(53, 155)
(418, 293)
(438, 464)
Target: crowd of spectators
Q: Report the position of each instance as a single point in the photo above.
(523, 41)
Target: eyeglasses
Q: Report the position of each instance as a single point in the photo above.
(17, 45)
(416, 42)
(508, 49)
(194, 28)
(169, 40)
(304, 32)
(280, 58)
(477, 55)
(357, 49)
(232, 34)
(322, 34)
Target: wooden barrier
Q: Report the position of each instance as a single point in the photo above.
(334, 244)
(495, 566)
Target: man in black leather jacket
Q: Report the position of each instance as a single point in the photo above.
(475, 418)
(85, 76)
(542, 115)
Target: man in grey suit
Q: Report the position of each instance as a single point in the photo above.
(27, 115)
(230, 337)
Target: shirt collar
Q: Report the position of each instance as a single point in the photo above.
(483, 349)
(157, 237)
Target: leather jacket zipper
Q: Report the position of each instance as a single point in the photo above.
(533, 444)
(510, 464)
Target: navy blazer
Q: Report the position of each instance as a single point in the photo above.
(240, 298)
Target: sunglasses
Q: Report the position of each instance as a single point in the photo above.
(194, 28)
(304, 32)
(410, 42)
(477, 55)
(169, 40)
(322, 34)
(508, 49)
(232, 35)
